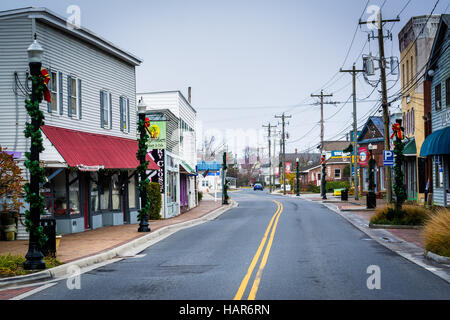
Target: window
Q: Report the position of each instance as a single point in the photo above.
(412, 68)
(403, 75)
(447, 92)
(105, 109)
(74, 193)
(60, 194)
(73, 96)
(104, 191)
(438, 172)
(95, 204)
(412, 121)
(437, 97)
(131, 190)
(115, 191)
(53, 87)
(337, 173)
(407, 72)
(124, 114)
(382, 174)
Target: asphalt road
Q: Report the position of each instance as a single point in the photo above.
(263, 249)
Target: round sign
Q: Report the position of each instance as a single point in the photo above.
(363, 156)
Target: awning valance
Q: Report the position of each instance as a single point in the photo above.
(187, 167)
(437, 143)
(90, 151)
(410, 148)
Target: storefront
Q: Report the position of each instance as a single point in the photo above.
(96, 185)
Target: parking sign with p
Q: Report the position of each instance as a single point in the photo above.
(388, 158)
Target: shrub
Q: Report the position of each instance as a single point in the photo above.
(12, 265)
(436, 232)
(331, 185)
(313, 188)
(410, 215)
(154, 196)
(200, 196)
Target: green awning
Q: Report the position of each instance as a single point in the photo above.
(410, 148)
(187, 167)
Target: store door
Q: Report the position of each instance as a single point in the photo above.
(86, 207)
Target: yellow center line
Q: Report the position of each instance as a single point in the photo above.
(255, 259)
(255, 285)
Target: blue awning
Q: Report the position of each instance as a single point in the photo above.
(437, 143)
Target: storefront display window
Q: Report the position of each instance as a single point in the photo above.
(95, 204)
(132, 190)
(74, 194)
(104, 191)
(115, 191)
(60, 194)
(172, 186)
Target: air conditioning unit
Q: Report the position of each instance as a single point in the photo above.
(438, 104)
(368, 66)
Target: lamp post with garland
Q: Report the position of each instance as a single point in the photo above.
(34, 256)
(141, 170)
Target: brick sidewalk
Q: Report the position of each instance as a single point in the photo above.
(87, 243)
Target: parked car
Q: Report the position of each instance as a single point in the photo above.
(258, 186)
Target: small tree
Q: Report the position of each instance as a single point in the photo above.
(154, 198)
(10, 183)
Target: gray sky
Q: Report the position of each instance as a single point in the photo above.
(249, 60)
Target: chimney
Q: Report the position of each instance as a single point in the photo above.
(295, 150)
(189, 95)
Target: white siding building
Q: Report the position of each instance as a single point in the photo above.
(93, 88)
(180, 187)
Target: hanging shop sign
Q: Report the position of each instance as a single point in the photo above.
(158, 175)
(288, 167)
(156, 131)
(363, 156)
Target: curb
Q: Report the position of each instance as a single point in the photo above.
(128, 249)
(436, 258)
(392, 226)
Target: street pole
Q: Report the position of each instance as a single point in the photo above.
(224, 179)
(269, 126)
(34, 255)
(283, 117)
(297, 173)
(142, 168)
(321, 95)
(379, 23)
(353, 71)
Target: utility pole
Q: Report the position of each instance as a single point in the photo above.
(269, 126)
(283, 117)
(321, 95)
(379, 22)
(353, 71)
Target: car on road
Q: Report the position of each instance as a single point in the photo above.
(258, 186)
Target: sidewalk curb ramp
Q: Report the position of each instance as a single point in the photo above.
(126, 250)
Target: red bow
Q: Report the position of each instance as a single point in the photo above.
(46, 76)
(397, 130)
(147, 125)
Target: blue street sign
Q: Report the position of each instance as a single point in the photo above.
(388, 158)
(353, 171)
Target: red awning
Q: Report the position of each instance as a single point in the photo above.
(86, 150)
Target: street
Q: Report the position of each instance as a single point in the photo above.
(269, 247)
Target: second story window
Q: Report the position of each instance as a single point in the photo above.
(105, 109)
(124, 114)
(437, 97)
(53, 87)
(447, 92)
(73, 97)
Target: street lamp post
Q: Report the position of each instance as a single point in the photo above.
(371, 197)
(323, 181)
(297, 173)
(142, 168)
(34, 255)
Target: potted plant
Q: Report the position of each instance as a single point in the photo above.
(10, 193)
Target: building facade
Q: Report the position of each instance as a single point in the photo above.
(90, 125)
(415, 43)
(436, 146)
(180, 182)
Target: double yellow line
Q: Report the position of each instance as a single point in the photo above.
(255, 259)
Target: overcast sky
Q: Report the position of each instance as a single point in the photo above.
(249, 60)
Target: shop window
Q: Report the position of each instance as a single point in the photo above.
(103, 184)
(60, 194)
(95, 203)
(438, 172)
(131, 191)
(172, 186)
(437, 97)
(74, 194)
(115, 191)
(337, 173)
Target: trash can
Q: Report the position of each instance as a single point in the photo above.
(371, 200)
(49, 226)
(344, 195)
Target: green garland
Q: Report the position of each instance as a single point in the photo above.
(141, 169)
(35, 200)
(399, 187)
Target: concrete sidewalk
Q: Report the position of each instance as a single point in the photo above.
(80, 245)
